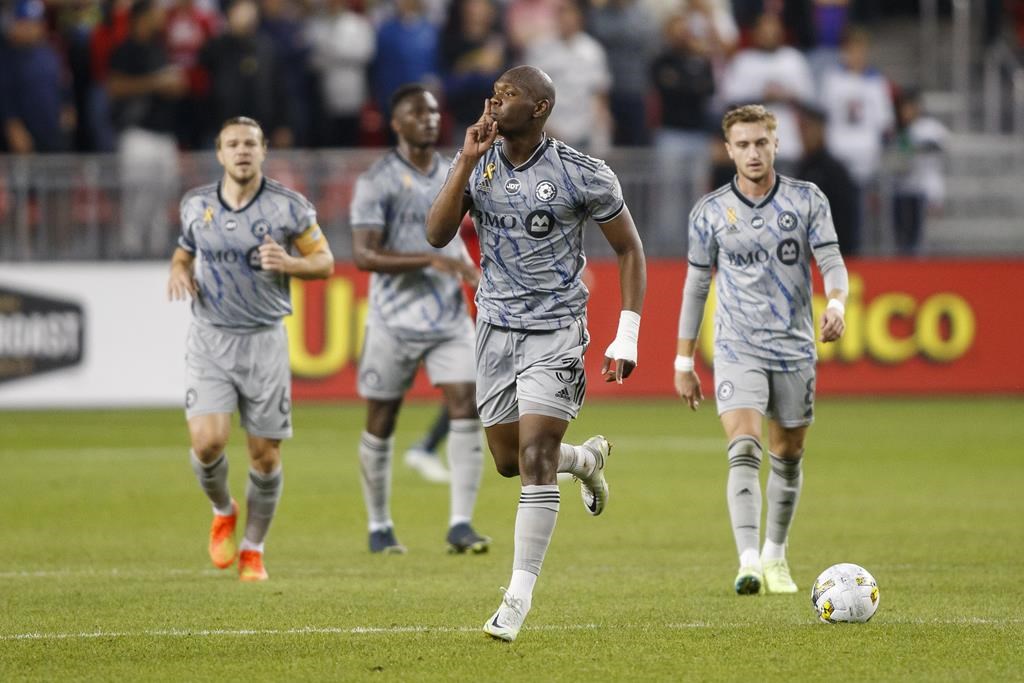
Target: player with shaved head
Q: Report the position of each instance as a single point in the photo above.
(530, 197)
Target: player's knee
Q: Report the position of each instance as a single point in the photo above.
(265, 455)
(507, 469)
(208, 447)
(539, 459)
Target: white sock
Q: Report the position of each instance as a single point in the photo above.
(466, 460)
(522, 583)
(773, 551)
(576, 460)
(375, 465)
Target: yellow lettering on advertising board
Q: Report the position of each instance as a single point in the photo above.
(343, 327)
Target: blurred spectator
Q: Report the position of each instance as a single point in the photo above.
(921, 184)
(830, 22)
(577, 65)
(682, 76)
(528, 21)
(343, 45)
(472, 57)
(34, 103)
(283, 23)
(406, 53)
(796, 19)
(109, 33)
(775, 75)
(76, 20)
(245, 76)
(630, 37)
(860, 113)
(831, 176)
(144, 88)
(711, 22)
(189, 27)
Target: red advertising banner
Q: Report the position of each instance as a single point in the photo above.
(913, 327)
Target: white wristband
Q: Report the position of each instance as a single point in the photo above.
(837, 305)
(683, 364)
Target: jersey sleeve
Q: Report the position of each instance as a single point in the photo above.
(187, 240)
(820, 229)
(367, 209)
(703, 249)
(602, 194)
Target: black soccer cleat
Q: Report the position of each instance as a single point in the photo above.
(462, 538)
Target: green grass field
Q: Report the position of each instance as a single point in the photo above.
(104, 575)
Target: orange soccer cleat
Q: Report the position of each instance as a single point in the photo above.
(250, 566)
(223, 549)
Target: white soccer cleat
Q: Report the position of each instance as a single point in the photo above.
(505, 623)
(594, 489)
(428, 465)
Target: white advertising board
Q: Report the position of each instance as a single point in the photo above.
(90, 335)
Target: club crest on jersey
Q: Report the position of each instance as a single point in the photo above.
(757, 222)
(787, 221)
(546, 191)
(540, 223)
(512, 186)
(260, 228)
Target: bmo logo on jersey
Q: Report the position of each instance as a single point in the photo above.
(540, 223)
(742, 260)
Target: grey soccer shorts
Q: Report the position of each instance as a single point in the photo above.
(388, 364)
(524, 372)
(784, 396)
(225, 370)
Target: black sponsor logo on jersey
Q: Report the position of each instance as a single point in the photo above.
(191, 396)
(787, 221)
(540, 223)
(742, 260)
(512, 186)
(496, 220)
(725, 391)
(260, 228)
(253, 258)
(757, 222)
(546, 191)
(38, 334)
(788, 251)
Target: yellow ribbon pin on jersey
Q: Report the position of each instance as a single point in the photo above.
(208, 215)
(730, 215)
(489, 171)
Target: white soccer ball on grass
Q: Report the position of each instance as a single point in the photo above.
(845, 593)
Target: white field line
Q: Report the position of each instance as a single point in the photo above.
(399, 630)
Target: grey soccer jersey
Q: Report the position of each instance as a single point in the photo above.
(762, 252)
(394, 196)
(530, 220)
(234, 291)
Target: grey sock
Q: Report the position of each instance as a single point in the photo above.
(535, 523)
(743, 492)
(213, 478)
(375, 463)
(466, 460)
(262, 494)
(783, 492)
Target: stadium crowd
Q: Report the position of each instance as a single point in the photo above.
(159, 75)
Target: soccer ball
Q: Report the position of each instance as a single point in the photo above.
(845, 593)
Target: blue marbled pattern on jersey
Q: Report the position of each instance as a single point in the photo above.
(530, 220)
(234, 292)
(762, 253)
(393, 196)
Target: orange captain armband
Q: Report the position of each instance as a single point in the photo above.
(310, 240)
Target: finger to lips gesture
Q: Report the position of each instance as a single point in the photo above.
(481, 134)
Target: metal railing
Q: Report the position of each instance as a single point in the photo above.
(69, 207)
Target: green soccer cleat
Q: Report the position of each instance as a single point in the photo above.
(777, 578)
(749, 581)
